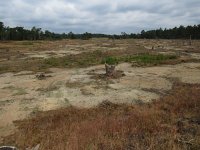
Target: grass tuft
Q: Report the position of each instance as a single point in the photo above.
(110, 60)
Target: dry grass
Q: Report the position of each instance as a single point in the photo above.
(13, 54)
(84, 59)
(173, 122)
(14, 58)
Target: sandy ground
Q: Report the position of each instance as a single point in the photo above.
(175, 46)
(46, 49)
(22, 94)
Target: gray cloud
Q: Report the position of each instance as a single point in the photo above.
(103, 16)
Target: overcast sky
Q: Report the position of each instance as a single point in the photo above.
(99, 16)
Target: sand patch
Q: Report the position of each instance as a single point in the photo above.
(76, 87)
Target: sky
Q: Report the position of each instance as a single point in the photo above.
(99, 16)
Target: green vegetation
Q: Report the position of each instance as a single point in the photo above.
(27, 43)
(149, 58)
(86, 59)
(111, 60)
(19, 91)
(6, 102)
(81, 60)
(140, 59)
(52, 61)
(16, 90)
(95, 59)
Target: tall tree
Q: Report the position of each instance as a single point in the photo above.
(1, 30)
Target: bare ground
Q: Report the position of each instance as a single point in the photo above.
(172, 123)
(22, 94)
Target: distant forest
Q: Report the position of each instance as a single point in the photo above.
(20, 33)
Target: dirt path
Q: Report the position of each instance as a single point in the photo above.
(22, 94)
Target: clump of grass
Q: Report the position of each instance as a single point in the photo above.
(169, 123)
(6, 102)
(110, 60)
(66, 102)
(3, 69)
(34, 110)
(149, 58)
(10, 87)
(26, 43)
(80, 60)
(52, 61)
(140, 59)
(19, 91)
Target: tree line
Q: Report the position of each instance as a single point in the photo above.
(20, 33)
